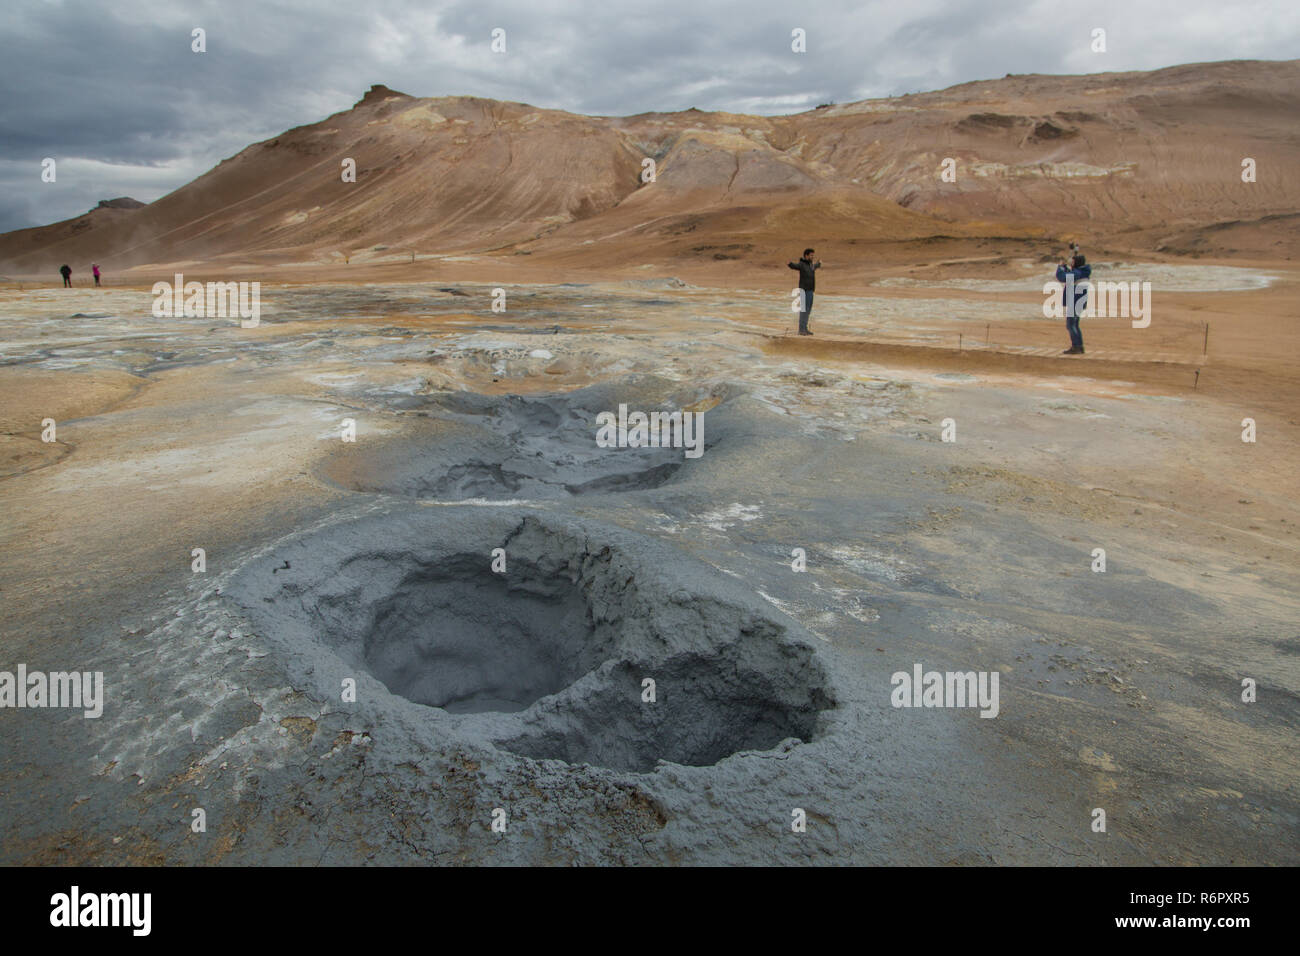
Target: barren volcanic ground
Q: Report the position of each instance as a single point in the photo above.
(521, 691)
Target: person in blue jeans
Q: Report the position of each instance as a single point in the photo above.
(807, 283)
(1074, 297)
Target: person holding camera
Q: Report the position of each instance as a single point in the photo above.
(1074, 295)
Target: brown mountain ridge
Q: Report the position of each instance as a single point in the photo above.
(1147, 161)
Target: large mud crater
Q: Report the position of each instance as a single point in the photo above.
(468, 640)
(593, 646)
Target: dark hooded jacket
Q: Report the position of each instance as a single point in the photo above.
(807, 279)
(1073, 279)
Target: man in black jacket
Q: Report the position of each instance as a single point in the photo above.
(807, 283)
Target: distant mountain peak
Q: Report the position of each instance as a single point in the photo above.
(378, 93)
(121, 202)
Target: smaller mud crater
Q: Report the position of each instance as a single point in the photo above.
(512, 447)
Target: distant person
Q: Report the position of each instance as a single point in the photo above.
(807, 283)
(66, 272)
(95, 269)
(1074, 297)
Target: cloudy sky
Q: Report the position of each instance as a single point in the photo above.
(112, 90)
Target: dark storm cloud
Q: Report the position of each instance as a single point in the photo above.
(112, 91)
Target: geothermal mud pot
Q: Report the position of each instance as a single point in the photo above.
(543, 447)
(550, 658)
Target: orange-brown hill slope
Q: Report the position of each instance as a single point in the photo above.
(1145, 160)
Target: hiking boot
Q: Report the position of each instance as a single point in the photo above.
(1072, 351)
